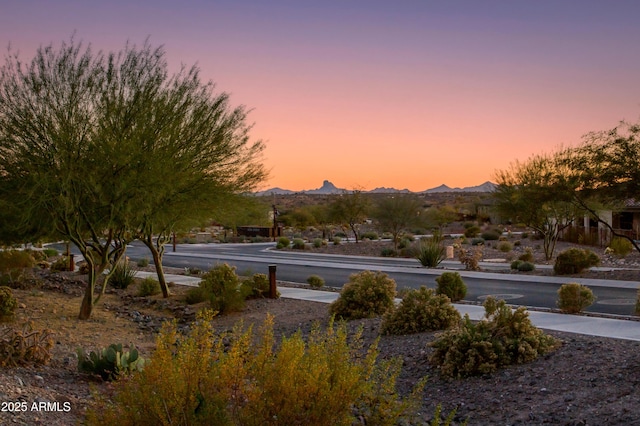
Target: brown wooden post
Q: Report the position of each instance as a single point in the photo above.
(273, 292)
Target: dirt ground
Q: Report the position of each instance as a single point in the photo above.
(587, 381)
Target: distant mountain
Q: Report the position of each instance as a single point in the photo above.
(326, 188)
(329, 188)
(276, 191)
(383, 190)
(485, 187)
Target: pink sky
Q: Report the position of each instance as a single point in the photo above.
(406, 94)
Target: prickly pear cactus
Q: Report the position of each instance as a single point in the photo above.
(110, 362)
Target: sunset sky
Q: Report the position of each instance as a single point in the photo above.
(405, 94)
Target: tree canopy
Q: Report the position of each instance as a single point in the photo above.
(102, 148)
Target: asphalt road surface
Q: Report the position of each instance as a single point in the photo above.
(530, 290)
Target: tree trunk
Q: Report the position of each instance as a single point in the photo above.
(157, 261)
(87, 301)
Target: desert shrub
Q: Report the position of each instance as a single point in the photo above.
(317, 242)
(37, 255)
(430, 251)
(574, 260)
(527, 256)
(255, 287)
(13, 265)
(492, 235)
(477, 242)
(516, 264)
(49, 252)
(451, 285)
(148, 287)
(638, 302)
(517, 243)
(367, 294)
(8, 302)
(83, 268)
(388, 252)
(298, 243)
(405, 241)
(315, 281)
(283, 242)
(61, 264)
(620, 246)
(574, 298)
(524, 235)
(505, 246)
(471, 231)
(222, 285)
(209, 378)
(471, 258)
(370, 235)
(337, 240)
(503, 337)
(143, 262)
(196, 295)
(526, 266)
(420, 310)
(110, 362)
(25, 346)
(123, 276)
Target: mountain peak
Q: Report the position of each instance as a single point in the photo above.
(326, 188)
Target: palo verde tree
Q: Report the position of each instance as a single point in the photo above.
(55, 166)
(351, 208)
(533, 192)
(89, 144)
(396, 213)
(604, 172)
(193, 154)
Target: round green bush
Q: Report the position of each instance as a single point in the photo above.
(526, 267)
(8, 303)
(574, 298)
(315, 281)
(471, 231)
(388, 252)
(367, 295)
(148, 287)
(370, 235)
(283, 242)
(504, 337)
(477, 242)
(527, 256)
(420, 310)
(317, 242)
(574, 261)
(505, 246)
(298, 244)
(490, 235)
(620, 246)
(515, 264)
(451, 285)
(61, 264)
(222, 286)
(255, 287)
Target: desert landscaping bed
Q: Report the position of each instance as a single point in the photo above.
(588, 380)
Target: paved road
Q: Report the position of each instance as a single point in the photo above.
(614, 297)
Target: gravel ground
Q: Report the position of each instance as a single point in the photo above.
(586, 381)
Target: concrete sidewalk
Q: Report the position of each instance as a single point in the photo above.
(592, 326)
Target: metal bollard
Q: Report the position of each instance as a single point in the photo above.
(273, 292)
